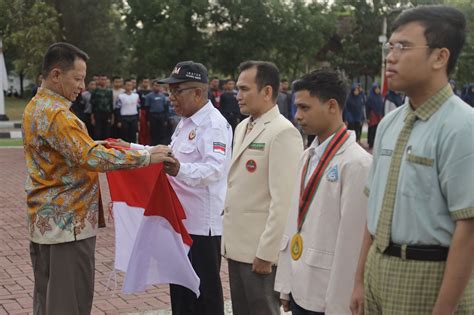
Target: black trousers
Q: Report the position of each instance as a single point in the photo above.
(129, 128)
(158, 130)
(357, 127)
(103, 125)
(371, 135)
(205, 258)
(64, 277)
(298, 310)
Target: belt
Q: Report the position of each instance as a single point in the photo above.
(421, 252)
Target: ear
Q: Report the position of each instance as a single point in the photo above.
(54, 75)
(441, 58)
(268, 93)
(333, 107)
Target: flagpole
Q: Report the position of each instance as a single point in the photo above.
(3, 84)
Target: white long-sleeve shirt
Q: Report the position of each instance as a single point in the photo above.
(202, 144)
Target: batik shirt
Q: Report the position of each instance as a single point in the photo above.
(62, 160)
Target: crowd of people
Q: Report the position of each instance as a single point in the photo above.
(118, 108)
(327, 230)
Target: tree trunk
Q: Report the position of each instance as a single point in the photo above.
(22, 76)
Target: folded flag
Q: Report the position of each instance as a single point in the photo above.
(151, 242)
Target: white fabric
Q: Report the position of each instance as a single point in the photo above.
(127, 221)
(128, 104)
(316, 151)
(136, 253)
(148, 266)
(201, 183)
(116, 93)
(321, 280)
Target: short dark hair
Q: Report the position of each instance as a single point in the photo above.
(445, 27)
(61, 55)
(228, 80)
(267, 74)
(126, 80)
(115, 77)
(324, 84)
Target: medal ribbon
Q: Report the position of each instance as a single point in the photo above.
(307, 193)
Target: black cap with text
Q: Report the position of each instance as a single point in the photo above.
(186, 71)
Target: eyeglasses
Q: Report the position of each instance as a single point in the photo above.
(398, 48)
(176, 92)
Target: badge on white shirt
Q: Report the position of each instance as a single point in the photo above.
(333, 174)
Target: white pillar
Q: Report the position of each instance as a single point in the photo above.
(3, 83)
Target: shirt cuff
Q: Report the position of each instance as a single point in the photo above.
(284, 296)
(463, 214)
(147, 155)
(136, 146)
(183, 171)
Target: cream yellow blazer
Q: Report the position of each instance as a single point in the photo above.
(260, 184)
(321, 280)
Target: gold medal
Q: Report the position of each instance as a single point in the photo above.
(296, 246)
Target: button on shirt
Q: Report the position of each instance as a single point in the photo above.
(202, 144)
(434, 186)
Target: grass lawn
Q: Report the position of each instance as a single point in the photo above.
(14, 107)
(11, 142)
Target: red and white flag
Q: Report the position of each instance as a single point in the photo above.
(151, 242)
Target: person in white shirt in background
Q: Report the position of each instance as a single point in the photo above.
(126, 113)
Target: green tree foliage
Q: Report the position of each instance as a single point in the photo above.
(164, 32)
(148, 37)
(95, 27)
(287, 33)
(28, 28)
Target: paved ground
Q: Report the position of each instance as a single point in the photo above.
(16, 277)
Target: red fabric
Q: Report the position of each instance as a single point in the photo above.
(374, 118)
(149, 188)
(144, 132)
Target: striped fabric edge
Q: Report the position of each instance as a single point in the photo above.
(466, 213)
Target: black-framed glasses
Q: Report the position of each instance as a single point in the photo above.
(398, 48)
(176, 92)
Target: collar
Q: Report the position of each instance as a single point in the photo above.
(202, 114)
(428, 108)
(267, 116)
(47, 93)
(317, 149)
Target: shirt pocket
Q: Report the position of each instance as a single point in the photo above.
(187, 149)
(319, 258)
(418, 176)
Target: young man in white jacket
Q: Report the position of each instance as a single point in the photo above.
(323, 234)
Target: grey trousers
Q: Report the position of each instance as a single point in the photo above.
(252, 293)
(64, 277)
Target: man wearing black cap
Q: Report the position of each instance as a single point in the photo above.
(201, 146)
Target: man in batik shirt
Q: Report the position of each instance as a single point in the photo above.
(62, 186)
